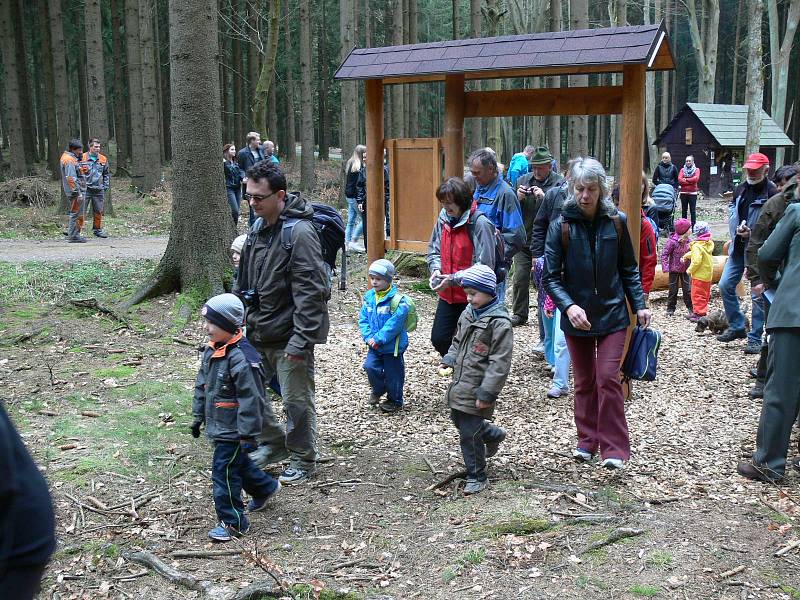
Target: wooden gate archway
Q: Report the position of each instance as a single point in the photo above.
(630, 50)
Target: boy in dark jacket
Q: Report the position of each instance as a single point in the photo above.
(384, 331)
(228, 398)
(480, 358)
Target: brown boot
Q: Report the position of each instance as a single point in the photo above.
(751, 471)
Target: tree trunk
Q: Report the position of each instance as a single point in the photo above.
(83, 92)
(132, 48)
(28, 145)
(780, 52)
(306, 99)
(662, 12)
(11, 88)
(368, 26)
(162, 85)
(151, 175)
(755, 76)
(253, 65)
(579, 124)
(455, 32)
(323, 122)
(704, 44)
(553, 123)
(475, 137)
(59, 49)
(237, 74)
(347, 133)
(736, 49)
(291, 129)
(267, 68)
(95, 72)
(272, 111)
(397, 91)
(195, 261)
(650, 102)
(121, 120)
(53, 147)
(493, 12)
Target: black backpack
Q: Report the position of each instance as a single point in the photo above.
(330, 229)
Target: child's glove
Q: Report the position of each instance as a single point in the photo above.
(196, 429)
(248, 445)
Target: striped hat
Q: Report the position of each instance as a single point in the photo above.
(701, 227)
(480, 278)
(225, 311)
(383, 268)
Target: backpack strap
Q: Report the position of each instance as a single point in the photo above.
(564, 235)
(618, 226)
(286, 233)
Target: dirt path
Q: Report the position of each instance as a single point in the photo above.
(18, 251)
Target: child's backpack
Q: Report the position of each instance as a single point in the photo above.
(500, 269)
(642, 358)
(411, 317)
(330, 229)
(655, 227)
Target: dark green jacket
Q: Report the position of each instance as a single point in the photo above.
(598, 273)
(530, 204)
(768, 218)
(782, 251)
(481, 359)
(291, 283)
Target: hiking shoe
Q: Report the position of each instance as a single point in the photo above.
(581, 455)
(757, 391)
(694, 318)
(292, 476)
(670, 312)
(557, 392)
(474, 486)
(390, 407)
(259, 504)
(517, 320)
(265, 455)
(612, 463)
(753, 372)
(100, 233)
(224, 533)
(752, 347)
(373, 399)
(357, 247)
(756, 473)
(493, 446)
(538, 349)
(732, 334)
(77, 240)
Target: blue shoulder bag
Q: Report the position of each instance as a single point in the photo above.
(642, 358)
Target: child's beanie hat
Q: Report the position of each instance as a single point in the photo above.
(682, 226)
(383, 268)
(225, 311)
(238, 243)
(481, 278)
(701, 227)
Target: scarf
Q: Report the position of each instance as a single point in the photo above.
(689, 172)
(480, 311)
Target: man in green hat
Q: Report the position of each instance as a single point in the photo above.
(531, 189)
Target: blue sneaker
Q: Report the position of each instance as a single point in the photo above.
(293, 475)
(259, 504)
(224, 533)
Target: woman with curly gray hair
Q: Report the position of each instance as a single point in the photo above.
(591, 274)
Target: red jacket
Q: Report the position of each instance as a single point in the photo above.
(689, 184)
(456, 254)
(648, 255)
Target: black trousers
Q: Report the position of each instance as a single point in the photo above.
(445, 322)
(474, 432)
(689, 201)
(685, 282)
(21, 583)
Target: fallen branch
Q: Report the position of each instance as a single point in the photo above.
(732, 572)
(618, 534)
(151, 561)
(93, 304)
(204, 553)
(773, 508)
(184, 342)
(788, 548)
(462, 474)
(430, 465)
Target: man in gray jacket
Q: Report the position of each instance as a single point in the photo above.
(779, 266)
(283, 283)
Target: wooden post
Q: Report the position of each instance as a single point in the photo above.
(454, 125)
(632, 152)
(375, 218)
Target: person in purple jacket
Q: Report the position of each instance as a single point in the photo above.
(672, 262)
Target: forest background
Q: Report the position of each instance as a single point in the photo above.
(81, 68)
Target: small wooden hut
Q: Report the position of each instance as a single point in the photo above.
(415, 164)
(715, 135)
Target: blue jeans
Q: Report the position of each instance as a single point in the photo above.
(355, 224)
(235, 201)
(231, 471)
(501, 290)
(549, 351)
(386, 374)
(562, 358)
(731, 275)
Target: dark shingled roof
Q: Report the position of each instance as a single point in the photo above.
(601, 49)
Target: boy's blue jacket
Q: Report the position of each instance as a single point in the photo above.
(377, 322)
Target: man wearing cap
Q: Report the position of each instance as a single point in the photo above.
(531, 189)
(743, 214)
(518, 165)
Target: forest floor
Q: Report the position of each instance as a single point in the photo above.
(104, 405)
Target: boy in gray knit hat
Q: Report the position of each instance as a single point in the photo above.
(229, 398)
(480, 358)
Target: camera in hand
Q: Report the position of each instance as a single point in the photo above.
(249, 297)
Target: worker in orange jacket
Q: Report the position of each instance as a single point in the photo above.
(73, 180)
(95, 166)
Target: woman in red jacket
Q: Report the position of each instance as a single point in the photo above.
(689, 180)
